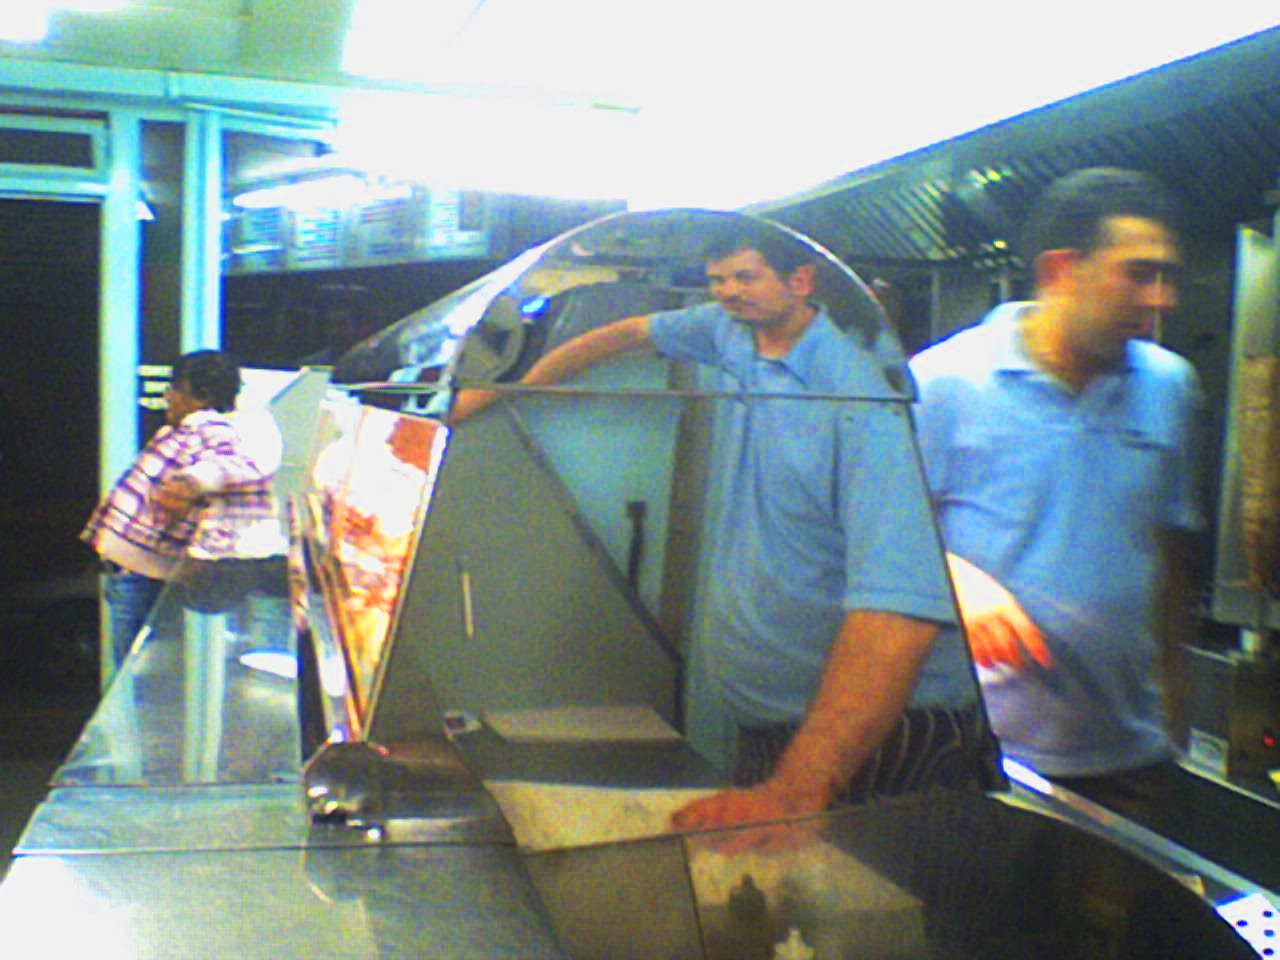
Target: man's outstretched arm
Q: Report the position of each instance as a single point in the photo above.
(565, 361)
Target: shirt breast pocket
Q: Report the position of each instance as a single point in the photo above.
(1004, 474)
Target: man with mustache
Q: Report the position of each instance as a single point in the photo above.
(827, 588)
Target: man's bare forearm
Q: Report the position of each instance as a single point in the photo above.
(867, 683)
(567, 360)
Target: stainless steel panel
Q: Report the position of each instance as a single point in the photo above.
(1233, 708)
(447, 903)
(231, 817)
(186, 707)
(637, 765)
(511, 602)
(949, 876)
(420, 792)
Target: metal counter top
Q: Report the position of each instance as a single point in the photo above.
(625, 765)
(457, 902)
(180, 826)
(207, 695)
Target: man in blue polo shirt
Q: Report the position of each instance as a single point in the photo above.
(1058, 443)
(828, 586)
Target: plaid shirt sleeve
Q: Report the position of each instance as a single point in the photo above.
(236, 516)
(127, 509)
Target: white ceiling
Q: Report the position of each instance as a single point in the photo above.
(723, 102)
(257, 38)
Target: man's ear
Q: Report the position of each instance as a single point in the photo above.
(1055, 268)
(803, 281)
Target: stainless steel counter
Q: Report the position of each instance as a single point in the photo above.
(181, 826)
(383, 901)
(178, 826)
(625, 765)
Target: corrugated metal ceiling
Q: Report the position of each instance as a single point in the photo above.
(1208, 126)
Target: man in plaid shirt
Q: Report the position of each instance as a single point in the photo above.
(196, 489)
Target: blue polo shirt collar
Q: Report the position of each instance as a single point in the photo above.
(1010, 355)
(803, 355)
(1004, 321)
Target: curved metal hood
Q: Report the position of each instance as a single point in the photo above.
(493, 329)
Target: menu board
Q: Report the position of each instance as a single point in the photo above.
(255, 241)
(456, 225)
(415, 224)
(386, 230)
(317, 239)
(371, 480)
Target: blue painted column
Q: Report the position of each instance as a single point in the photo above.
(118, 329)
(202, 233)
(119, 314)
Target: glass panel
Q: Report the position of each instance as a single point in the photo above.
(902, 880)
(208, 694)
(371, 478)
(712, 494)
(896, 880)
(47, 148)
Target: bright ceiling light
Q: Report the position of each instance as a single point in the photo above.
(493, 144)
(333, 191)
(391, 39)
(24, 24)
(581, 51)
(746, 102)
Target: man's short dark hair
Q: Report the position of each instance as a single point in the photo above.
(211, 375)
(781, 251)
(1071, 213)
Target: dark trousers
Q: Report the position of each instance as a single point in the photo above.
(926, 748)
(130, 597)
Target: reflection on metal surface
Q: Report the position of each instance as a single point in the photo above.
(442, 901)
(278, 663)
(657, 250)
(372, 475)
(94, 820)
(420, 793)
(183, 709)
(950, 876)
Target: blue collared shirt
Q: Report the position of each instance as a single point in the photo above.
(823, 511)
(1061, 497)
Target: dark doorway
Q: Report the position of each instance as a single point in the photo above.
(49, 273)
